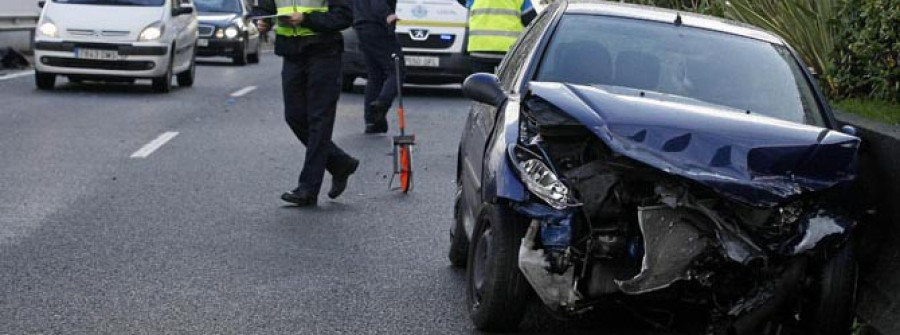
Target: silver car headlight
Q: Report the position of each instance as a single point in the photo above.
(540, 179)
(48, 28)
(153, 32)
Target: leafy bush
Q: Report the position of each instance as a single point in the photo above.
(866, 62)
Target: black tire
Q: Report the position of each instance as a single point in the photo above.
(164, 84)
(240, 57)
(497, 292)
(347, 84)
(832, 302)
(459, 242)
(254, 57)
(186, 78)
(44, 81)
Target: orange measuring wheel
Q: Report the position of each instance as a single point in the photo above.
(403, 143)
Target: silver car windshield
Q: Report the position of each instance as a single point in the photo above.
(742, 73)
(148, 3)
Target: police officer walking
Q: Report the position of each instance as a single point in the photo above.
(308, 37)
(375, 23)
(494, 26)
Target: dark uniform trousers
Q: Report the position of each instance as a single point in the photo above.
(311, 87)
(378, 43)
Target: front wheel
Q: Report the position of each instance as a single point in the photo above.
(240, 56)
(186, 78)
(459, 242)
(347, 84)
(164, 84)
(44, 81)
(254, 57)
(497, 290)
(833, 297)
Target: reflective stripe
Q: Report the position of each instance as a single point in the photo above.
(499, 33)
(495, 11)
(300, 3)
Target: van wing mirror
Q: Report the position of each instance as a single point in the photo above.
(182, 10)
(42, 3)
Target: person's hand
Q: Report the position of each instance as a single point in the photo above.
(263, 26)
(296, 19)
(391, 19)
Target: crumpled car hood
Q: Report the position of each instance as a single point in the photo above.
(753, 159)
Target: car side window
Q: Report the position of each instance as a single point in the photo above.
(515, 59)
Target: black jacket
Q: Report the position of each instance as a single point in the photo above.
(327, 25)
(373, 11)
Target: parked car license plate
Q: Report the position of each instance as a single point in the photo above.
(202, 42)
(97, 54)
(422, 61)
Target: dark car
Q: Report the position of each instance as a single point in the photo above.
(634, 157)
(227, 31)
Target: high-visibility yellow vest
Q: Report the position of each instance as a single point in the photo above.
(288, 7)
(494, 25)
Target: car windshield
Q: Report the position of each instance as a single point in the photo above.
(218, 6)
(714, 67)
(147, 3)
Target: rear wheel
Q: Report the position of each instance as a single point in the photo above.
(497, 290)
(833, 298)
(164, 84)
(44, 81)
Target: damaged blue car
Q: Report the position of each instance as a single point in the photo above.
(628, 156)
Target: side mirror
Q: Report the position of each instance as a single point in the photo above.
(42, 3)
(484, 88)
(182, 10)
(849, 130)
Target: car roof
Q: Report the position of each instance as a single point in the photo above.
(618, 9)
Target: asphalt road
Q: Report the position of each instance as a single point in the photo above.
(194, 239)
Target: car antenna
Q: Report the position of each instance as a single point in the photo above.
(678, 19)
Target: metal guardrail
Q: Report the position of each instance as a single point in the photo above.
(18, 22)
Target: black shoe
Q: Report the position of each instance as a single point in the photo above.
(299, 198)
(379, 127)
(339, 180)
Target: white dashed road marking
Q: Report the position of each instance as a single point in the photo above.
(148, 149)
(243, 91)
(17, 75)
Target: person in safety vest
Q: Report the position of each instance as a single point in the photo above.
(494, 25)
(375, 23)
(308, 38)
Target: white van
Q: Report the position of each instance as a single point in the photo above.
(433, 36)
(116, 40)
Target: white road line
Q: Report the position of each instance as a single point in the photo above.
(148, 149)
(243, 91)
(17, 75)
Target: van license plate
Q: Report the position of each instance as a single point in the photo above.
(422, 61)
(202, 42)
(97, 54)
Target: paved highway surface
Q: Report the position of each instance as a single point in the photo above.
(128, 212)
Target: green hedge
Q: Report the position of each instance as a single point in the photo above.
(866, 62)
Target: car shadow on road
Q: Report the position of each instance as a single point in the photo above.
(111, 88)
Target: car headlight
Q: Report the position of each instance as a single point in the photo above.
(231, 32)
(540, 179)
(152, 32)
(49, 29)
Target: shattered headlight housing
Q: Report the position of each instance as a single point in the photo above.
(540, 179)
